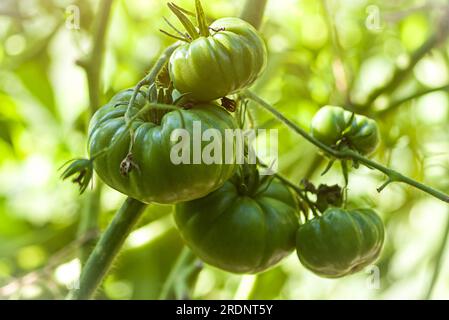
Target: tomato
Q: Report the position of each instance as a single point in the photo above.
(212, 67)
(154, 177)
(340, 242)
(331, 125)
(240, 230)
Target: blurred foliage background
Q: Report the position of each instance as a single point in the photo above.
(320, 52)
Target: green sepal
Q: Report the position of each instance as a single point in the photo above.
(81, 170)
(187, 12)
(173, 36)
(201, 19)
(328, 167)
(328, 196)
(344, 169)
(188, 25)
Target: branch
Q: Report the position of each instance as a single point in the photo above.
(94, 61)
(395, 104)
(148, 79)
(151, 76)
(399, 74)
(393, 176)
(89, 219)
(253, 12)
(107, 248)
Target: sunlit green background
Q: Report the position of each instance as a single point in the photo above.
(314, 59)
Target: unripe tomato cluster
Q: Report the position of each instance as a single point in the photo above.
(230, 217)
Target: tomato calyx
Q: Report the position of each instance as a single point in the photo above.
(192, 32)
(81, 172)
(249, 182)
(317, 199)
(162, 99)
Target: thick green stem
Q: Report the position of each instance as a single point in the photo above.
(393, 176)
(89, 220)
(110, 243)
(107, 248)
(253, 12)
(438, 261)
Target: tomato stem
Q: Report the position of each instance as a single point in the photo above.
(301, 194)
(253, 12)
(107, 248)
(148, 79)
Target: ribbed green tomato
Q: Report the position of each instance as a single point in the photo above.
(213, 67)
(240, 232)
(340, 242)
(332, 124)
(155, 177)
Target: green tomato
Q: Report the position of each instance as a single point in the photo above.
(340, 242)
(154, 176)
(333, 124)
(238, 231)
(213, 67)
